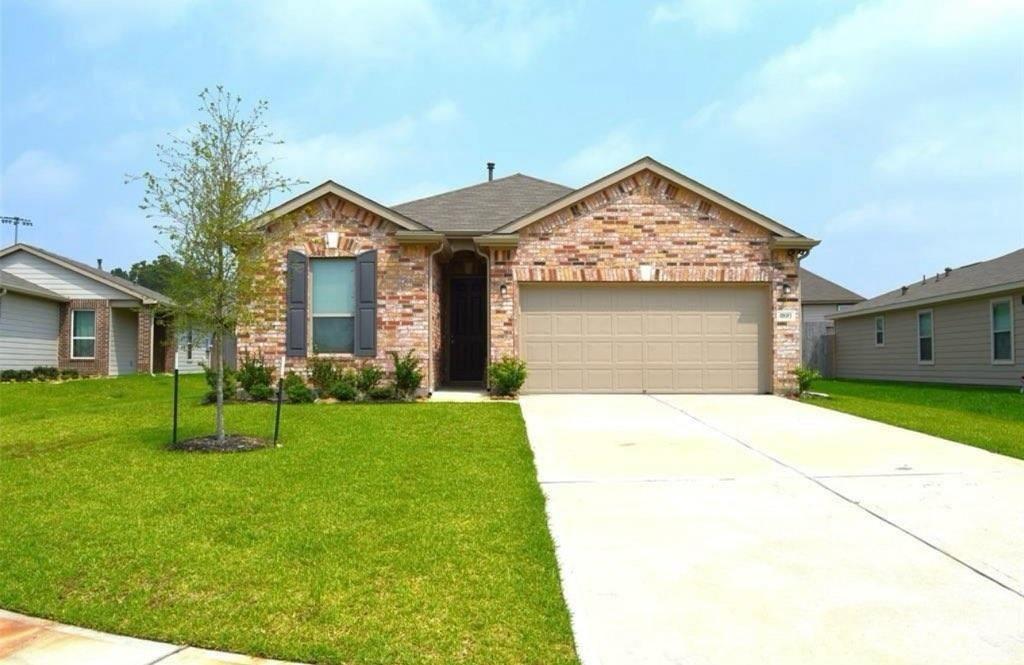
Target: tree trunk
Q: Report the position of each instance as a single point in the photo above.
(218, 348)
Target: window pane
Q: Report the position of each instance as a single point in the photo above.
(84, 324)
(925, 348)
(1001, 316)
(879, 339)
(879, 324)
(924, 324)
(332, 334)
(1002, 346)
(83, 348)
(334, 286)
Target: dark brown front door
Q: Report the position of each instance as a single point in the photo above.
(467, 337)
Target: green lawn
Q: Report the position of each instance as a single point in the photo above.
(376, 534)
(989, 418)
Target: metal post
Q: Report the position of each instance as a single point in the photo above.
(277, 417)
(174, 427)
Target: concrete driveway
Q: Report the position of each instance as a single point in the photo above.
(754, 529)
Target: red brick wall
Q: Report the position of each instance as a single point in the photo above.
(645, 219)
(99, 365)
(144, 361)
(402, 289)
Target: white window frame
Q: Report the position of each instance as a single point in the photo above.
(931, 314)
(880, 317)
(71, 351)
(310, 350)
(992, 331)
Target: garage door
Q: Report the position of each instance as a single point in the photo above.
(669, 338)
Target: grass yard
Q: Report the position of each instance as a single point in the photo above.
(377, 534)
(989, 418)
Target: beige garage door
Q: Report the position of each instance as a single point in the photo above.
(669, 338)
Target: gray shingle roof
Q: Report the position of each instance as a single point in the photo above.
(981, 276)
(133, 288)
(19, 285)
(816, 289)
(485, 206)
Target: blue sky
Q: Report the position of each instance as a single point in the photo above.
(892, 130)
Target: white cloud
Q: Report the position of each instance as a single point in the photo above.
(710, 16)
(443, 112)
(97, 23)
(36, 174)
(614, 150)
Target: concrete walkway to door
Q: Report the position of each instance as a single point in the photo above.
(754, 529)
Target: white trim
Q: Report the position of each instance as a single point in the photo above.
(931, 315)
(992, 331)
(880, 317)
(71, 333)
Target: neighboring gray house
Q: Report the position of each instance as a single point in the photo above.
(960, 326)
(820, 297)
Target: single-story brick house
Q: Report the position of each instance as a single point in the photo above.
(964, 325)
(641, 281)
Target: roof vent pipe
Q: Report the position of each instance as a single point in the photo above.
(99, 263)
(903, 290)
(948, 270)
(490, 171)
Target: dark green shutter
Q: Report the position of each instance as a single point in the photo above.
(366, 304)
(295, 321)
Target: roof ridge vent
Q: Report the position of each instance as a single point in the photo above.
(903, 290)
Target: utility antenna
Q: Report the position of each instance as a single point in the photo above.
(16, 221)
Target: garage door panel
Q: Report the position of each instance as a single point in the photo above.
(644, 337)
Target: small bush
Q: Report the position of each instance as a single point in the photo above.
(260, 392)
(42, 373)
(230, 382)
(296, 390)
(507, 376)
(381, 393)
(9, 375)
(369, 377)
(408, 375)
(24, 375)
(322, 374)
(68, 374)
(805, 376)
(252, 372)
(344, 391)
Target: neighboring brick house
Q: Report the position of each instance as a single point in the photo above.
(642, 281)
(58, 312)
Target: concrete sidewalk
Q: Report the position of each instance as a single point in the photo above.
(26, 640)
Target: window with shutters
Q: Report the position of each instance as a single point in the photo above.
(333, 304)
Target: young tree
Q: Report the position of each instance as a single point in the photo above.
(212, 181)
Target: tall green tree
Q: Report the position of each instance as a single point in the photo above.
(156, 274)
(211, 182)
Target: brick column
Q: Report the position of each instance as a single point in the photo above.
(786, 342)
(144, 361)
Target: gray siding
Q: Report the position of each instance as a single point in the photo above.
(200, 352)
(67, 283)
(816, 312)
(124, 341)
(28, 332)
(962, 345)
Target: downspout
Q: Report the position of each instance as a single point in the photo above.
(430, 318)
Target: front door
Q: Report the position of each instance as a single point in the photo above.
(467, 337)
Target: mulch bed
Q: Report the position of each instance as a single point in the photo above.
(233, 443)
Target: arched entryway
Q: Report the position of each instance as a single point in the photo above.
(464, 322)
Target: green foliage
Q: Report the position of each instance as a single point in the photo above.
(369, 377)
(156, 275)
(344, 391)
(296, 390)
(381, 393)
(67, 374)
(507, 376)
(253, 372)
(408, 375)
(260, 392)
(43, 373)
(805, 376)
(322, 373)
(17, 375)
(230, 382)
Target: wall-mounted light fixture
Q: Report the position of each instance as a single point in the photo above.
(331, 239)
(787, 289)
(503, 289)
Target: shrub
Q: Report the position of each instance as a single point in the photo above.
(230, 382)
(67, 374)
(381, 393)
(9, 375)
(24, 375)
(408, 375)
(253, 372)
(260, 392)
(322, 374)
(805, 376)
(296, 390)
(46, 373)
(368, 378)
(344, 391)
(507, 376)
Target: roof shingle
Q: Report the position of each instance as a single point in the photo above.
(816, 289)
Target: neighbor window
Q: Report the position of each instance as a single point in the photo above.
(879, 331)
(925, 337)
(334, 305)
(1002, 331)
(83, 333)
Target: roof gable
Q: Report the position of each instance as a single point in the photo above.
(816, 289)
(10, 282)
(331, 187)
(659, 169)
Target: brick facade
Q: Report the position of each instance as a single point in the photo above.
(99, 365)
(647, 220)
(402, 283)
